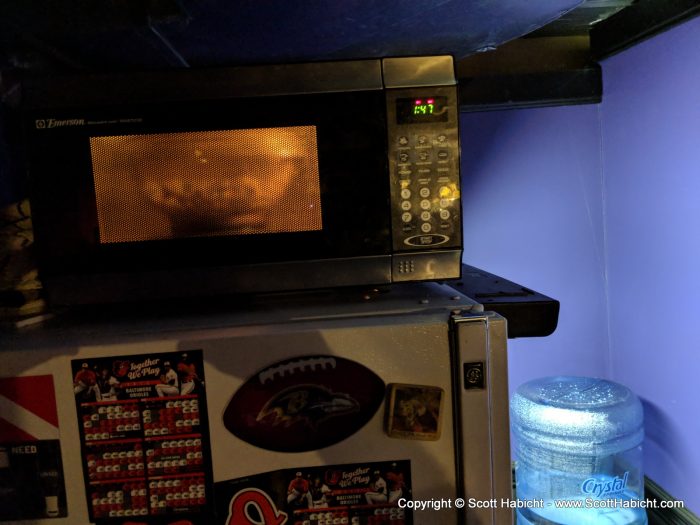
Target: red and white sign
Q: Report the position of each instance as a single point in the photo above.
(28, 409)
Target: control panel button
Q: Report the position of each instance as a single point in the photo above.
(406, 205)
(445, 192)
(444, 203)
(444, 214)
(426, 240)
(426, 227)
(405, 193)
(443, 154)
(424, 192)
(404, 173)
(422, 140)
(403, 141)
(425, 215)
(441, 138)
(407, 267)
(403, 157)
(406, 217)
(424, 156)
(425, 204)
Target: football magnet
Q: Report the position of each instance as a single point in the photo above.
(304, 403)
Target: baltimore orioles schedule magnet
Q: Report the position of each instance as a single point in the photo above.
(145, 438)
(353, 494)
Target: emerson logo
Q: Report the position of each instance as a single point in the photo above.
(600, 488)
(58, 123)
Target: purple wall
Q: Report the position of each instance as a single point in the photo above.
(651, 159)
(599, 207)
(533, 214)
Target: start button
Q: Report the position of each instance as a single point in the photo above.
(426, 240)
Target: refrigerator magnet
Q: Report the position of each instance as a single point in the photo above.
(414, 412)
(305, 403)
(31, 472)
(145, 437)
(362, 492)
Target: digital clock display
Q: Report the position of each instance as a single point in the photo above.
(421, 109)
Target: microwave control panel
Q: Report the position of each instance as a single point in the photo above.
(423, 149)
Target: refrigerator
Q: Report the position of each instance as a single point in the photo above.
(321, 408)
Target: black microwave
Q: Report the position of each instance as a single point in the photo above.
(244, 179)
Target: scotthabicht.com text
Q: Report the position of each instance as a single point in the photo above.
(587, 503)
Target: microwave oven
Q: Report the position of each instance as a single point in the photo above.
(244, 179)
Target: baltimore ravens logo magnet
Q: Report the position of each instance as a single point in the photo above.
(310, 404)
(304, 403)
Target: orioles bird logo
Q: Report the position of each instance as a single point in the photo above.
(120, 368)
(311, 404)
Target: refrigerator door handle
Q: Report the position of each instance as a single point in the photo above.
(482, 436)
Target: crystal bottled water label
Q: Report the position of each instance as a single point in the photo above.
(604, 486)
(569, 476)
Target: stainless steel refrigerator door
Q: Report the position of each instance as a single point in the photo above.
(411, 342)
(400, 349)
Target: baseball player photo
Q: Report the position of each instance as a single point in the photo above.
(319, 493)
(187, 373)
(84, 383)
(107, 386)
(298, 491)
(169, 382)
(396, 482)
(378, 492)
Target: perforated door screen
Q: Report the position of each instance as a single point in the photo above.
(207, 183)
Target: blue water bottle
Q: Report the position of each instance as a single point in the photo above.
(577, 443)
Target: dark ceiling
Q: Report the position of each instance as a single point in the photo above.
(137, 34)
(509, 53)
